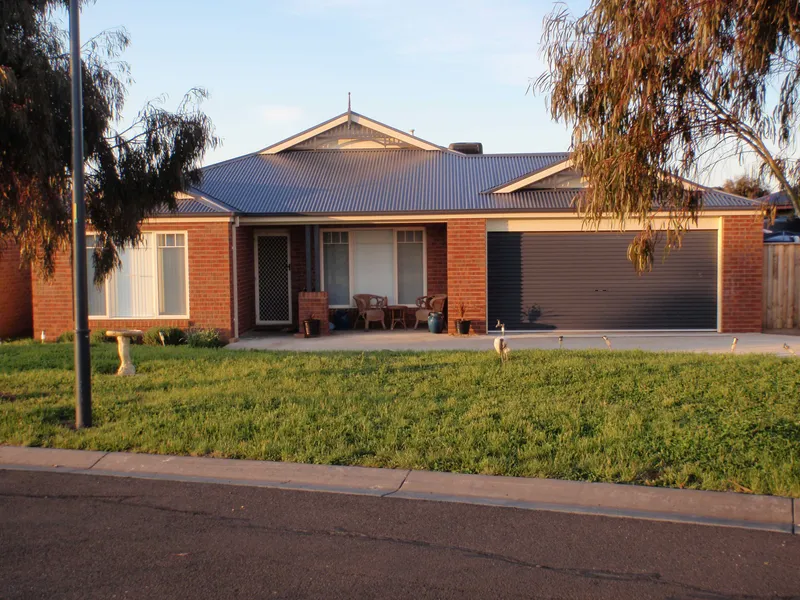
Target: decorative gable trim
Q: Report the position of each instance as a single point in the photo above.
(531, 178)
(352, 117)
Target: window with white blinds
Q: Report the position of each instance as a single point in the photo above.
(385, 262)
(150, 282)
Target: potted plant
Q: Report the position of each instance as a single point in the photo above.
(311, 326)
(462, 324)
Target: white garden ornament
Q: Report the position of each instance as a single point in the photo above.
(124, 336)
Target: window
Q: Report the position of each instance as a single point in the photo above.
(336, 255)
(386, 262)
(171, 273)
(410, 285)
(150, 282)
(373, 263)
(97, 295)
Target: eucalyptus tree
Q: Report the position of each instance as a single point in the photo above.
(131, 172)
(654, 89)
(745, 185)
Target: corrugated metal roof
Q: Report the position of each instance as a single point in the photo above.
(388, 181)
(780, 199)
(191, 206)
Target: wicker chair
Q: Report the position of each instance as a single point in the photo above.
(370, 308)
(428, 304)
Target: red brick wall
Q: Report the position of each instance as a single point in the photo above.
(742, 277)
(210, 286)
(314, 305)
(297, 250)
(437, 258)
(15, 295)
(245, 276)
(466, 271)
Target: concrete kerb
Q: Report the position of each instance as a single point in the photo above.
(770, 513)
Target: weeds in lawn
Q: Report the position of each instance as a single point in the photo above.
(722, 422)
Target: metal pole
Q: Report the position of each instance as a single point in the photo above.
(83, 382)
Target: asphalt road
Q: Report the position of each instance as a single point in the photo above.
(79, 536)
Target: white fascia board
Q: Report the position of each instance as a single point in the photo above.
(392, 132)
(355, 118)
(562, 166)
(533, 177)
(305, 135)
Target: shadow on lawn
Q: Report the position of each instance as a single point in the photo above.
(63, 416)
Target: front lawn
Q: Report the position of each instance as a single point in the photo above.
(698, 421)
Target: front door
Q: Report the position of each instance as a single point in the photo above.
(273, 279)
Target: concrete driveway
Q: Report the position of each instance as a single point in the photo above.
(420, 340)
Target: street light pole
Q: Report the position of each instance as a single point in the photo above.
(83, 382)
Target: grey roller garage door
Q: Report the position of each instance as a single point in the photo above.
(550, 281)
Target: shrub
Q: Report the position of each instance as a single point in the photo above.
(67, 336)
(204, 338)
(98, 336)
(173, 336)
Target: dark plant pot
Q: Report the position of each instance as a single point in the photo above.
(341, 319)
(463, 327)
(311, 327)
(435, 322)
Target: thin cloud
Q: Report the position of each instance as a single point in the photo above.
(276, 114)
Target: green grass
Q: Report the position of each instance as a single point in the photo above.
(698, 421)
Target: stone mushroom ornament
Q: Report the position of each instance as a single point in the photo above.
(124, 337)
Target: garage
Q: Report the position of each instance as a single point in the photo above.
(584, 281)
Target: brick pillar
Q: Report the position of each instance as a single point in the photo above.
(741, 265)
(313, 305)
(466, 271)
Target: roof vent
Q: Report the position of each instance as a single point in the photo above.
(467, 147)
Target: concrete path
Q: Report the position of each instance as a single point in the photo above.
(360, 341)
(769, 513)
(84, 537)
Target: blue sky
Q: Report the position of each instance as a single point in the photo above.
(452, 70)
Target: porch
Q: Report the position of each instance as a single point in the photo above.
(277, 267)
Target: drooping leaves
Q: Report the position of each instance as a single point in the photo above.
(654, 89)
(130, 174)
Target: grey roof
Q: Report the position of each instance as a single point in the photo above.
(193, 206)
(779, 199)
(316, 182)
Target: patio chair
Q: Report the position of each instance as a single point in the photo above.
(428, 304)
(370, 308)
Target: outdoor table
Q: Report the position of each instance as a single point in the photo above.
(397, 314)
(124, 348)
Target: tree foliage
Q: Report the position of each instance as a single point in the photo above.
(130, 174)
(747, 186)
(654, 89)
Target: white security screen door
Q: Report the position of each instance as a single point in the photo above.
(273, 280)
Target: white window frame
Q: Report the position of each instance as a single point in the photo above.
(350, 259)
(156, 280)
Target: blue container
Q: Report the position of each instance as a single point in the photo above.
(435, 322)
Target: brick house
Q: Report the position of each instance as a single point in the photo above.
(15, 299)
(355, 206)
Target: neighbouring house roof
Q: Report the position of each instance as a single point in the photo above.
(778, 199)
(305, 175)
(194, 206)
